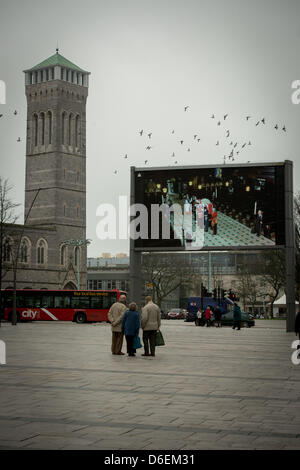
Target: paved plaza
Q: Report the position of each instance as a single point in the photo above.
(207, 388)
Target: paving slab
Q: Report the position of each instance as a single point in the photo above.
(207, 388)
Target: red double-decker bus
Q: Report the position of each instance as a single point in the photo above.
(66, 305)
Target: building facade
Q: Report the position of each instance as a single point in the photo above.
(108, 273)
(55, 182)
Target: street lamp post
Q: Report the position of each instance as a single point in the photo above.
(78, 242)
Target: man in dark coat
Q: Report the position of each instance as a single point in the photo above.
(297, 327)
(259, 223)
(237, 316)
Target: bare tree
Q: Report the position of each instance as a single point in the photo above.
(7, 217)
(274, 274)
(164, 275)
(248, 288)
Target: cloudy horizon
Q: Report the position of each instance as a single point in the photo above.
(148, 61)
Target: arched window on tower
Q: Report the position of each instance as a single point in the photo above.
(41, 252)
(63, 125)
(70, 129)
(77, 127)
(50, 127)
(42, 116)
(35, 129)
(63, 255)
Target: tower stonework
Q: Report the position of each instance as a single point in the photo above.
(56, 92)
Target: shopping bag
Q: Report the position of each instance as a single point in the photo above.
(159, 339)
(137, 342)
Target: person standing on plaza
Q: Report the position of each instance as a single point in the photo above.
(199, 317)
(131, 326)
(297, 327)
(151, 321)
(237, 317)
(218, 316)
(115, 316)
(207, 315)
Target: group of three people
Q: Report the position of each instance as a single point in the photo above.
(206, 315)
(127, 321)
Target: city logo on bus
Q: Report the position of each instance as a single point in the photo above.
(32, 314)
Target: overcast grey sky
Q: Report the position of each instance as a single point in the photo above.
(149, 59)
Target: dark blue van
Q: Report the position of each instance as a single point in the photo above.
(196, 303)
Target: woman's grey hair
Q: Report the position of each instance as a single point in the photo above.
(132, 306)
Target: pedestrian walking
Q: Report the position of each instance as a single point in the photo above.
(115, 315)
(207, 315)
(237, 317)
(297, 328)
(218, 316)
(150, 322)
(130, 327)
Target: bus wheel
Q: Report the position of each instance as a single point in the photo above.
(80, 317)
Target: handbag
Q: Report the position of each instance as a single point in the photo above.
(137, 342)
(159, 339)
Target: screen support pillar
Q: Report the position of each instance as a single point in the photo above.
(289, 247)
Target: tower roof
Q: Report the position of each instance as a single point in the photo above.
(56, 59)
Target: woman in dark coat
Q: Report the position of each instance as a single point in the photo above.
(131, 326)
(237, 317)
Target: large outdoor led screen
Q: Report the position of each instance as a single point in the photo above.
(211, 207)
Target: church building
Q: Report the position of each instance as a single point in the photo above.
(52, 253)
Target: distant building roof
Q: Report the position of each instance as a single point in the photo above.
(107, 262)
(56, 59)
(282, 301)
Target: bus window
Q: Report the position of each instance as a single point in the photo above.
(8, 299)
(67, 301)
(47, 301)
(80, 301)
(20, 300)
(58, 301)
(96, 302)
(109, 300)
(32, 301)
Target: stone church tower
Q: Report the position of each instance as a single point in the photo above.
(56, 92)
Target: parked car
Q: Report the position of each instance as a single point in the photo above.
(175, 314)
(185, 313)
(227, 320)
(247, 319)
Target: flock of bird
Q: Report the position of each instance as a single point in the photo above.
(234, 153)
(15, 113)
(236, 148)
